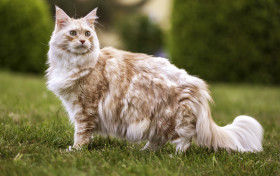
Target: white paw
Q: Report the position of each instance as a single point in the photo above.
(69, 149)
(73, 148)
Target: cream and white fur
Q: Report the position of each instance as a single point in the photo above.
(135, 96)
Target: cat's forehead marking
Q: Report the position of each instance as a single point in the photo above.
(79, 24)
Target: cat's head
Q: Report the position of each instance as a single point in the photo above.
(76, 36)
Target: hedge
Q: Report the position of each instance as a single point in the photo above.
(26, 27)
(231, 41)
(140, 34)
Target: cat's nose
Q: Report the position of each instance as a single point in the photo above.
(82, 41)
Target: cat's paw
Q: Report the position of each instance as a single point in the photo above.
(150, 147)
(144, 149)
(73, 148)
(69, 149)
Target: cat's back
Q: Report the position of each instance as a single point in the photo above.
(127, 66)
(137, 63)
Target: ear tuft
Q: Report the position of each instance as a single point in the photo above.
(61, 18)
(91, 17)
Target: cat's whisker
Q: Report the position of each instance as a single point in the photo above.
(99, 24)
(44, 44)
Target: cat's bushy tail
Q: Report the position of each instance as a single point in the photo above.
(245, 134)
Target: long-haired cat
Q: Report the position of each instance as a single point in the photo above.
(135, 96)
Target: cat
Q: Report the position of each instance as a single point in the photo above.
(135, 96)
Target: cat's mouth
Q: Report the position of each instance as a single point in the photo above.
(81, 49)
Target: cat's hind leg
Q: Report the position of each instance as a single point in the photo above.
(151, 146)
(183, 137)
(185, 129)
(182, 144)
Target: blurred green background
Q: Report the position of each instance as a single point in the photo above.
(236, 41)
(221, 41)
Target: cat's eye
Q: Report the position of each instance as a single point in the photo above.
(87, 33)
(73, 33)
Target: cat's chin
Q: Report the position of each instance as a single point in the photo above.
(80, 51)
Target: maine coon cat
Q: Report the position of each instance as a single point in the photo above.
(134, 96)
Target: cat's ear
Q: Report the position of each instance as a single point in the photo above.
(91, 17)
(61, 18)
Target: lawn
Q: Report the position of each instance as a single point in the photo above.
(35, 131)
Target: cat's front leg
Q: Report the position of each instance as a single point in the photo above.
(84, 127)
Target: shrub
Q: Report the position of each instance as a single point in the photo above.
(25, 30)
(140, 34)
(227, 40)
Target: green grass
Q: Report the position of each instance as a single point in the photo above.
(34, 133)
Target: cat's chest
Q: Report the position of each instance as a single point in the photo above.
(80, 92)
(66, 87)
(71, 104)
(61, 82)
